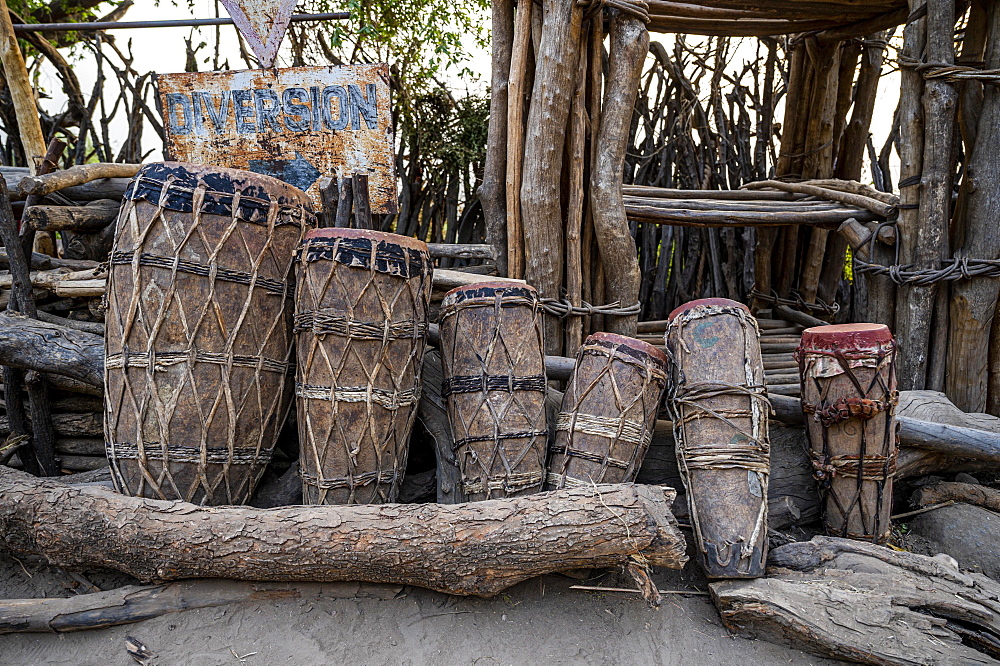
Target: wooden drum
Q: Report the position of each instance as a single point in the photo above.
(199, 330)
(849, 399)
(361, 327)
(494, 384)
(608, 412)
(720, 411)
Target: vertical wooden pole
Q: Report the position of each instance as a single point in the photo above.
(544, 142)
(926, 241)
(574, 214)
(21, 92)
(628, 48)
(492, 193)
(971, 380)
(515, 137)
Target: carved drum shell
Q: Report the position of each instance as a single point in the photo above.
(494, 384)
(719, 407)
(608, 412)
(198, 347)
(361, 327)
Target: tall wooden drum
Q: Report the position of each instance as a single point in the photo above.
(494, 384)
(720, 411)
(608, 412)
(199, 330)
(849, 399)
(361, 326)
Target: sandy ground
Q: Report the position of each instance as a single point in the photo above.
(541, 621)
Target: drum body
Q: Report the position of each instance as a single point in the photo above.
(199, 340)
(719, 406)
(494, 385)
(361, 326)
(608, 412)
(849, 401)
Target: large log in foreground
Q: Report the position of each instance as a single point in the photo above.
(478, 548)
(851, 600)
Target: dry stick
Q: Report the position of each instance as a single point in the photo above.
(849, 198)
(574, 216)
(90, 218)
(13, 379)
(544, 142)
(588, 251)
(42, 443)
(492, 192)
(362, 204)
(515, 138)
(911, 367)
(819, 146)
(329, 196)
(73, 176)
(974, 302)
(22, 93)
(345, 201)
(628, 47)
(135, 603)
(789, 161)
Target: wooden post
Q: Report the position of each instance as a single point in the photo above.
(515, 138)
(21, 91)
(492, 193)
(362, 203)
(629, 46)
(911, 370)
(973, 303)
(544, 140)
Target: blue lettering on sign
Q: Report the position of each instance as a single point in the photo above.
(243, 106)
(267, 105)
(297, 114)
(332, 108)
(366, 108)
(182, 123)
(219, 116)
(344, 114)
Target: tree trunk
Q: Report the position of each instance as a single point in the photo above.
(629, 46)
(492, 191)
(973, 302)
(545, 137)
(478, 548)
(846, 599)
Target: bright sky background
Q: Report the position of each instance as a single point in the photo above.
(162, 50)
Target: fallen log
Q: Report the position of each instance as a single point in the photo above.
(852, 600)
(70, 425)
(73, 176)
(43, 261)
(135, 603)
(477, 548)
(90, 218)
(949, 491)
(35, 345)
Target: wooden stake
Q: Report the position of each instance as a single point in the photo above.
(515, 138)
(22, 93)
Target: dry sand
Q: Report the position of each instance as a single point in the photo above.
(541, 621)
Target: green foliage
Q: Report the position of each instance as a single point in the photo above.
(448, 135)
(420, 39)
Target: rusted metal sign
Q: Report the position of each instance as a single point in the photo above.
(263, 23)
(299, 124)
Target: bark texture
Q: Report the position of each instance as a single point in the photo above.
(851, 600)
(479, 548)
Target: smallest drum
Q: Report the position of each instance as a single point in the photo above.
(849, 399)
(494, 383)
(608, 412)
(361, 325)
